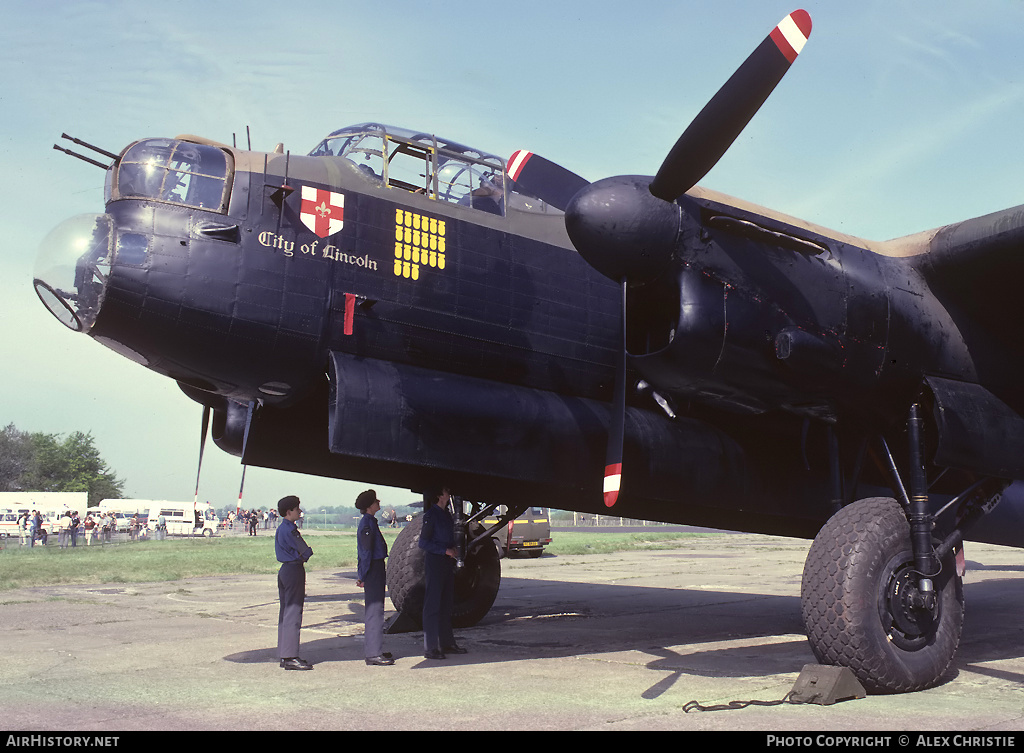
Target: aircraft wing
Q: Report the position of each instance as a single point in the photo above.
(974, 268)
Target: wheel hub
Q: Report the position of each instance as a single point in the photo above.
(909, 618)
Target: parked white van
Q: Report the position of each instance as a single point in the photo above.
(51, 505)
(183, 518)
(123, 511)
(9, 523)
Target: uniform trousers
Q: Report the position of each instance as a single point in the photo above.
(373, 611)
(439, 572)
(291, 587)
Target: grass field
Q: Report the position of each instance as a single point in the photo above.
(174, 559)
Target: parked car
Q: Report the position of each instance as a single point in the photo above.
(529, 533)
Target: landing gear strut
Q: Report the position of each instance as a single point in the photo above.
(476, 581)
(862, 605)
(882, 592)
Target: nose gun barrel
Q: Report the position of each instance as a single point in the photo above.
(82, 157)
(87, 145)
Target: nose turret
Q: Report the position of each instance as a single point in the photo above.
(72, 268)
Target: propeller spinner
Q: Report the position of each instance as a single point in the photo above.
(626, 227)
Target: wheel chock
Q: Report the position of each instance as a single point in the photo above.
(400, 622)
(825, 685)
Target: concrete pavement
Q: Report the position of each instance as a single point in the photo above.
(599, 642)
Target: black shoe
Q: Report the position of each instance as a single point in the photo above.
(384, 660)
(434, 654)
(453, 649)
(295, 663)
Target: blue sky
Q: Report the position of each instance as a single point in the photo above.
(897, 117)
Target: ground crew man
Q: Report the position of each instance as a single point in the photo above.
(292, 552)
(371, 576)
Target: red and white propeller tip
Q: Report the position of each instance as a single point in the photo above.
(791, 34)
(517, 162)
(612, 481)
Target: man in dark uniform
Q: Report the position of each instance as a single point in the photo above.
(292, 551)
(371, 576)
(437, 540)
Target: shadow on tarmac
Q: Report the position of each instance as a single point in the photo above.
(680, 631)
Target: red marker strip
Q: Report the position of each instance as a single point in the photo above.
(350, 312)
(517, 162)
(612, 480)
(791, 34)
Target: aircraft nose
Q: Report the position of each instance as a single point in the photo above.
(72, 267)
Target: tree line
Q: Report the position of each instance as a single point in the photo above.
(40, 462)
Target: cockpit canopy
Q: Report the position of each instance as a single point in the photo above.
(426, 164)
(176, 172)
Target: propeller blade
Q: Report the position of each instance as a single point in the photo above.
(542, 178)
(202, 446)
(616, 421)
(715, 128)
(241, 486)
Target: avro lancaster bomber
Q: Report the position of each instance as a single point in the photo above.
(398, 308)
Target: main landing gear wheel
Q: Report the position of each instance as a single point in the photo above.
(860, 606)
(476, 583)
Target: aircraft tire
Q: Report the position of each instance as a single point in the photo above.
(476, 583)
(854, 610)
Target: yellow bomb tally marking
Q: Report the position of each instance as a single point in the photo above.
(419, 241)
